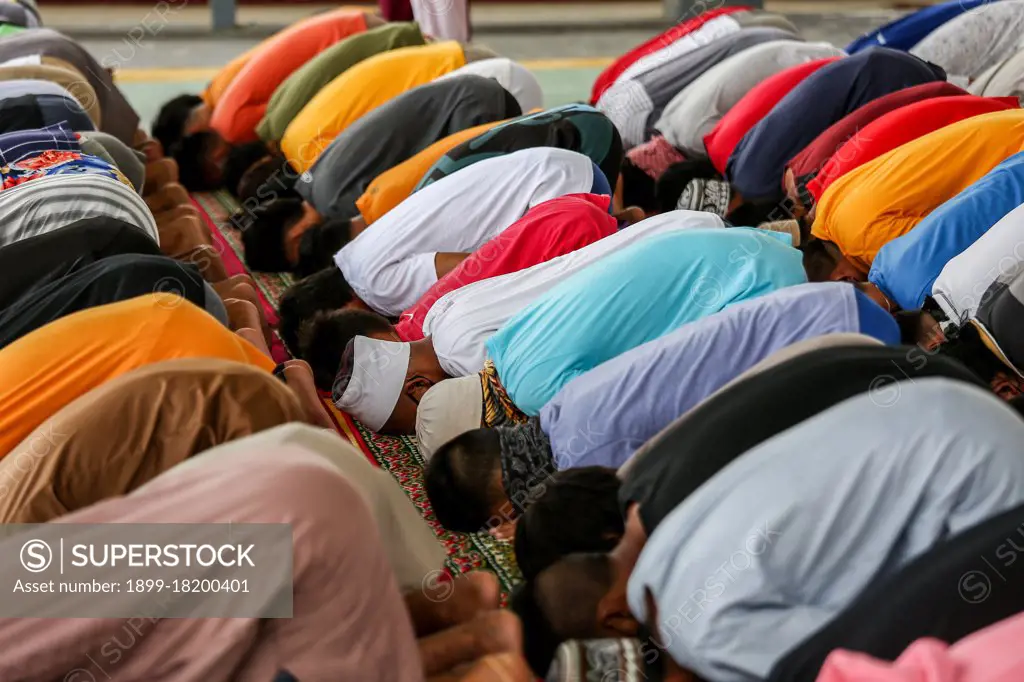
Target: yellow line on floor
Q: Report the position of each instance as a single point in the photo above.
(177, 75)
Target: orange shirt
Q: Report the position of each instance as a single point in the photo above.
(887, 197)
(215, 90)
(47, 369)
(393, 186)
(361, 89)
(244, 101)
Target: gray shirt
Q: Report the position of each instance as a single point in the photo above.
(697, 109)
(119, 119)
(395, 131)
(976, 40)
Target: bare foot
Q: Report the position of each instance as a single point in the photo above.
(243, 290)
(180, 235)
(242, 314)
(175, 213)
(499, 668)
(168, 197)
(160, 170)
(444, 603)
(207, 260)
(492, 632)
(256, 339)
(299, 377)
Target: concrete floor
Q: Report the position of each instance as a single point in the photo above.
(154, 68)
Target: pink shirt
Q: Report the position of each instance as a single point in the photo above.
(990, 655)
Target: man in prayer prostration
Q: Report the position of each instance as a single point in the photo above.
(697, 109)
(576, 127)
(887, 197)
(628, 294)
(328, 191)
(894, 481)
(907, 31)
(756, 166)
(805, 166)
(898, 127)
(603, 416)
(554, 228)
(636, 103)
(392, 263)
(335, 631)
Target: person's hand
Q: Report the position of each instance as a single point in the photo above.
(505, 531)
(499, 668)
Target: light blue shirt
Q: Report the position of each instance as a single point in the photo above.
(631, 297)
(906, 268)
(602, 417)
(785, 537)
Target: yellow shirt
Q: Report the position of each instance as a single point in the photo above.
(887, 197)
(361, 89)
(393, 186)
(47, 369)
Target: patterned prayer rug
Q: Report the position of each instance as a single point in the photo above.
(398, 456)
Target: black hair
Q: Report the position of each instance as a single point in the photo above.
(459, 480)
(751, 214)
(323, 340)
(676, 177)
(263, 229)
(818, 261)
(321, 292)
(266, 179)
(190, 153)
(637, 187)
(318, 244)
(539, 643)
(169, 125)
(553, 527)
(965, 345)
(569, 591)
(909, 323)
(239, 160)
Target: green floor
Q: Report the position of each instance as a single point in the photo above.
(561, 86)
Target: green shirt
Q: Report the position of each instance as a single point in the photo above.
(293, 94)
(10, 29)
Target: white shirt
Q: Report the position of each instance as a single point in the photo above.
(997, 255)
(460, 322)
(709, 32)
(698, 108)
(391, 264)
(627, 105)
(510, 75)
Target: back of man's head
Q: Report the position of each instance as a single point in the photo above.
(578, 511)
(321, 292)
(460, 480)
(323, 340)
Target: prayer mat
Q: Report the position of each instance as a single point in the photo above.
(398, 456)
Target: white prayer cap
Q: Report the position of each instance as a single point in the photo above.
(371, 379)
(449, 409)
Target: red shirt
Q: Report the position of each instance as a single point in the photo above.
(899, 127)
(754, 106)
(243, 103)
(607, 77)
(548, 230)
(807, 163)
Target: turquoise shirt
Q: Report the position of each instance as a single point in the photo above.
(634, 296)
